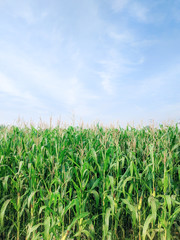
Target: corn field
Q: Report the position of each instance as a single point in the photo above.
(89, 183)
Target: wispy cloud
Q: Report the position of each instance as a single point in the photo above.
(156, 86)
(17, 102)
(130, 38)
(106, 82)
(123, 37)
(119, 62)
(114, 71)
(25, 11)
(8, 87)
(111, 67)
(26, 14)
(138, 11)
(133, 8)
(47, 84)
(119, 5)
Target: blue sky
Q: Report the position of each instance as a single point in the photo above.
(97, 60)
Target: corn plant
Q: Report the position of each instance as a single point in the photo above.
(89, 183)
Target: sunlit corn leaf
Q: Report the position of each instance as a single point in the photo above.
(2, 212)
(32, 229)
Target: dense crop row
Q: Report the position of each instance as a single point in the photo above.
(94, 183)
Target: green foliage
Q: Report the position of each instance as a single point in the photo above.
(99, 183)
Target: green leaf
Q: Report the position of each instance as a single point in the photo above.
(111, 179)
(94, 155)
(174, 215)
(20, 166)
(166, 181)
(47, 228)
(112, 203)
(124, 183)
(95, 184)
(82, 215)
(5, 182)
(70, 205)
(168, 200)
(131, 168)
(152, 202)
(32, 229)
(149, 219)
(96, 196)
(107, 216)
(41, 209)
(132, 208)
(23, 207)
(30, 197)
(74, 162)
(2, 212)
(175, 146)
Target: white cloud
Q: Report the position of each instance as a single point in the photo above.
(106, 81)
(24, 10)
(116, 66)
(154, 85)
(119, 5)
(144, 43)
(8, 87)
(16, 102)
(134, 8)
(38, 77)
(72, 91)
(139, 11)
(110, 70)
(68, 92)
(129, 38)
(26, 14)
(124, 37)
